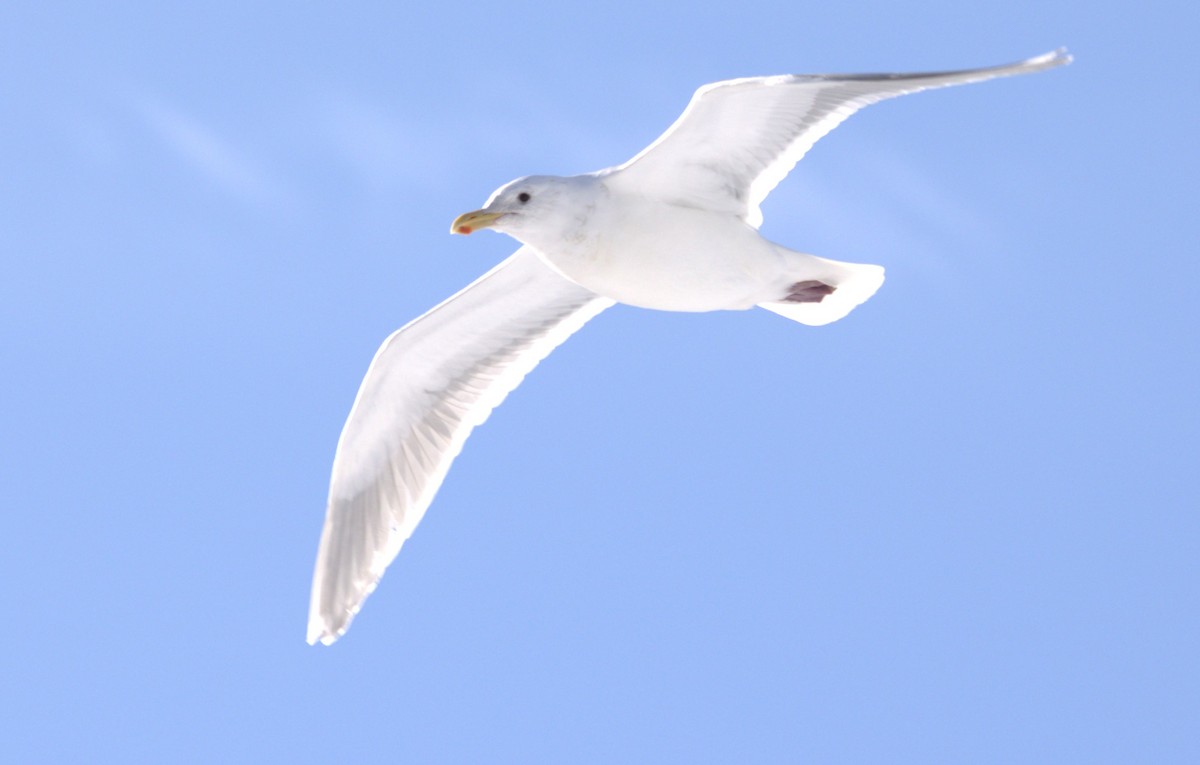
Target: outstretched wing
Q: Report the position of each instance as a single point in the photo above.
(738, 139)
(430, 383)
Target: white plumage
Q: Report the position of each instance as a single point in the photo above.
(674, 228)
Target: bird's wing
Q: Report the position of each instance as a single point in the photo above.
(737, 139)
(429, 384)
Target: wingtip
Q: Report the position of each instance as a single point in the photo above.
(324, 637)
(315, 632)
(1057, 57)
(319, 631)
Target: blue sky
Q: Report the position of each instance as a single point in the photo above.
(959, 526)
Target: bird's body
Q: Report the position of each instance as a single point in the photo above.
(675, 228)
(684, 258)
(693, 261)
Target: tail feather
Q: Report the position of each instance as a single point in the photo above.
(853, 284)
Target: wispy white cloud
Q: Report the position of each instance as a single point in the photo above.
(211, 156)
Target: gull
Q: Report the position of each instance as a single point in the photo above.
(674, 229)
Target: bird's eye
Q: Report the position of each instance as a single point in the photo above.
(523, 197)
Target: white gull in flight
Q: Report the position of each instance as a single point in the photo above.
(675, 228)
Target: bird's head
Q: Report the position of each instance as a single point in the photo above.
(534, 208)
